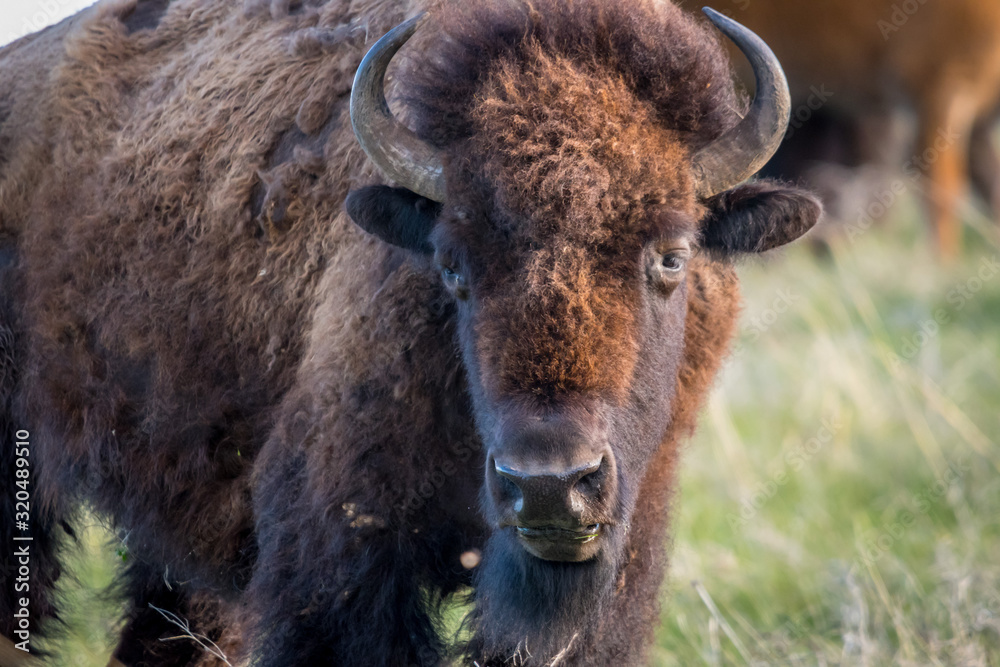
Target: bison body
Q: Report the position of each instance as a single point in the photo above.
(312, 433)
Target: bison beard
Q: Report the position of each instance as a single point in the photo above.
(525, 605)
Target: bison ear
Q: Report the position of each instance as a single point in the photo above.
(395, 215)
(758, 216)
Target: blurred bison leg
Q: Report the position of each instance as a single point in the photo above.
(942, 154)
(984, 164)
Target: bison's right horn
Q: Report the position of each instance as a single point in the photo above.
(394, 148)
(744, 149)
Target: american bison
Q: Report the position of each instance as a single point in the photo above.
(858, 68)
(319, 408)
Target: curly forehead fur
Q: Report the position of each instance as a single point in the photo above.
(580, 111)
(659, 53)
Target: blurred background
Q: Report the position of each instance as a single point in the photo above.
(840, 504)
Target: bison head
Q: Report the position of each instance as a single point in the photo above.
(563, 181)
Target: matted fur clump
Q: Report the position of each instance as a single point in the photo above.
(289, 419)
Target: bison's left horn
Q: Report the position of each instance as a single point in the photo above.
(393, 147)
(743, 150)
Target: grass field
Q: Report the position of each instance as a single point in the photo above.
(841, 502)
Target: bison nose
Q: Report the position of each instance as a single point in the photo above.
(560, 497)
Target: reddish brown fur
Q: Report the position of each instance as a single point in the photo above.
(579, 157)
(212, 355)
(566, 324)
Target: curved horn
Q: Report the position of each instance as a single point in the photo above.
(744, 149)
(394, 148)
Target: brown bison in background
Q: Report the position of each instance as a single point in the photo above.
(310, 433)
(857, 70)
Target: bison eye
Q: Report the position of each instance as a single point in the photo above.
(673, 262)
(665, 265)
(454, 281)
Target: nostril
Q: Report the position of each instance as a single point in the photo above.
(592, 469)
(507, 475)
(509, 486)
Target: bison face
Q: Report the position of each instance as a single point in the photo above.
(571, 347)
(565, 224)
(571, 323)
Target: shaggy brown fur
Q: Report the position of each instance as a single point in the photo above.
(291, 416)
